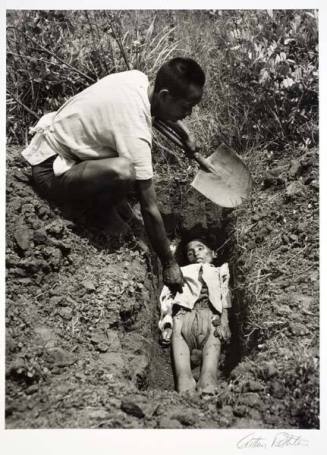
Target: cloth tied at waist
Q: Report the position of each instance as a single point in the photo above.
(43, 145)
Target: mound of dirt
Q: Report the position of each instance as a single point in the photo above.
(276, 270)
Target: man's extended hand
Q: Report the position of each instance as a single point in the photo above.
(172, 277)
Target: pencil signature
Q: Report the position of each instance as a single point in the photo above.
(278, 440)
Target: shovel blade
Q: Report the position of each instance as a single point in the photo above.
(231, 183)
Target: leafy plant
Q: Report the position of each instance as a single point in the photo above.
(265, 77)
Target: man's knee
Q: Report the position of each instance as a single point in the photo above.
(128, 172)
(124, 172)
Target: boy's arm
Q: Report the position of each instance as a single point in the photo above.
(224, 326)
(172, 275)
(166, 308)
(227, 303)
(223, 330)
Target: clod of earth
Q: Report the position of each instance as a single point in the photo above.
(295, 168)
(59, 357)
(298, 329)
(272, 180)
(32, 389)
(187, 417)
(58, 300)
(250, 399)
(88, 285)
(23, 236)
(277, 389)
(240, 411)
(295, 189)
(56, 229)
(132, 408)
(98, 414)
(17, 366)
(66, 313)
(22, 177)
(172, 424)
(252, 386)
(227, 412)
(268, 370)
(40, 236)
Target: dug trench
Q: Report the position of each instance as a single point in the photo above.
(82, 343)
(187, 213)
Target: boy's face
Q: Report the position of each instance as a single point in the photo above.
(174, 108)
(198, 253)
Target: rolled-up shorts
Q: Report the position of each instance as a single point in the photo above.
(71, 188)
(196, 326)
(52, 187)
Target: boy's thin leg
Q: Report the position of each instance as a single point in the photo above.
(182, 360)
(208, 380)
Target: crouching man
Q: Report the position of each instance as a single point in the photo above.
(97, 147)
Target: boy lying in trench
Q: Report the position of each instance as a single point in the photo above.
(197, 318)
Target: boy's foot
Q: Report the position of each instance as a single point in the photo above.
(186, 384)
(208, 385)
(208, 392)
(191, 395)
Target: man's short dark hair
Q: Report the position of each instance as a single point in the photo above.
(177, 75)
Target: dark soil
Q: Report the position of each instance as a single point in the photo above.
(82, 345)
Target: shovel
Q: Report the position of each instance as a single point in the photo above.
(223, 177)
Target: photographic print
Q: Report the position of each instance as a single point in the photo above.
(162, 220)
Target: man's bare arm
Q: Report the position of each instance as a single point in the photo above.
(172, 275)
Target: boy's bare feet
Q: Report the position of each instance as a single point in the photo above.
(208, 384)
(186, 384)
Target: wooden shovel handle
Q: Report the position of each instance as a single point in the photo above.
(170, 133)
(203, 162)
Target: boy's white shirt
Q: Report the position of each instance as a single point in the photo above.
(110, 118)
(217, 281)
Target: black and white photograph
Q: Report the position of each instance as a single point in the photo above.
(162, 221)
